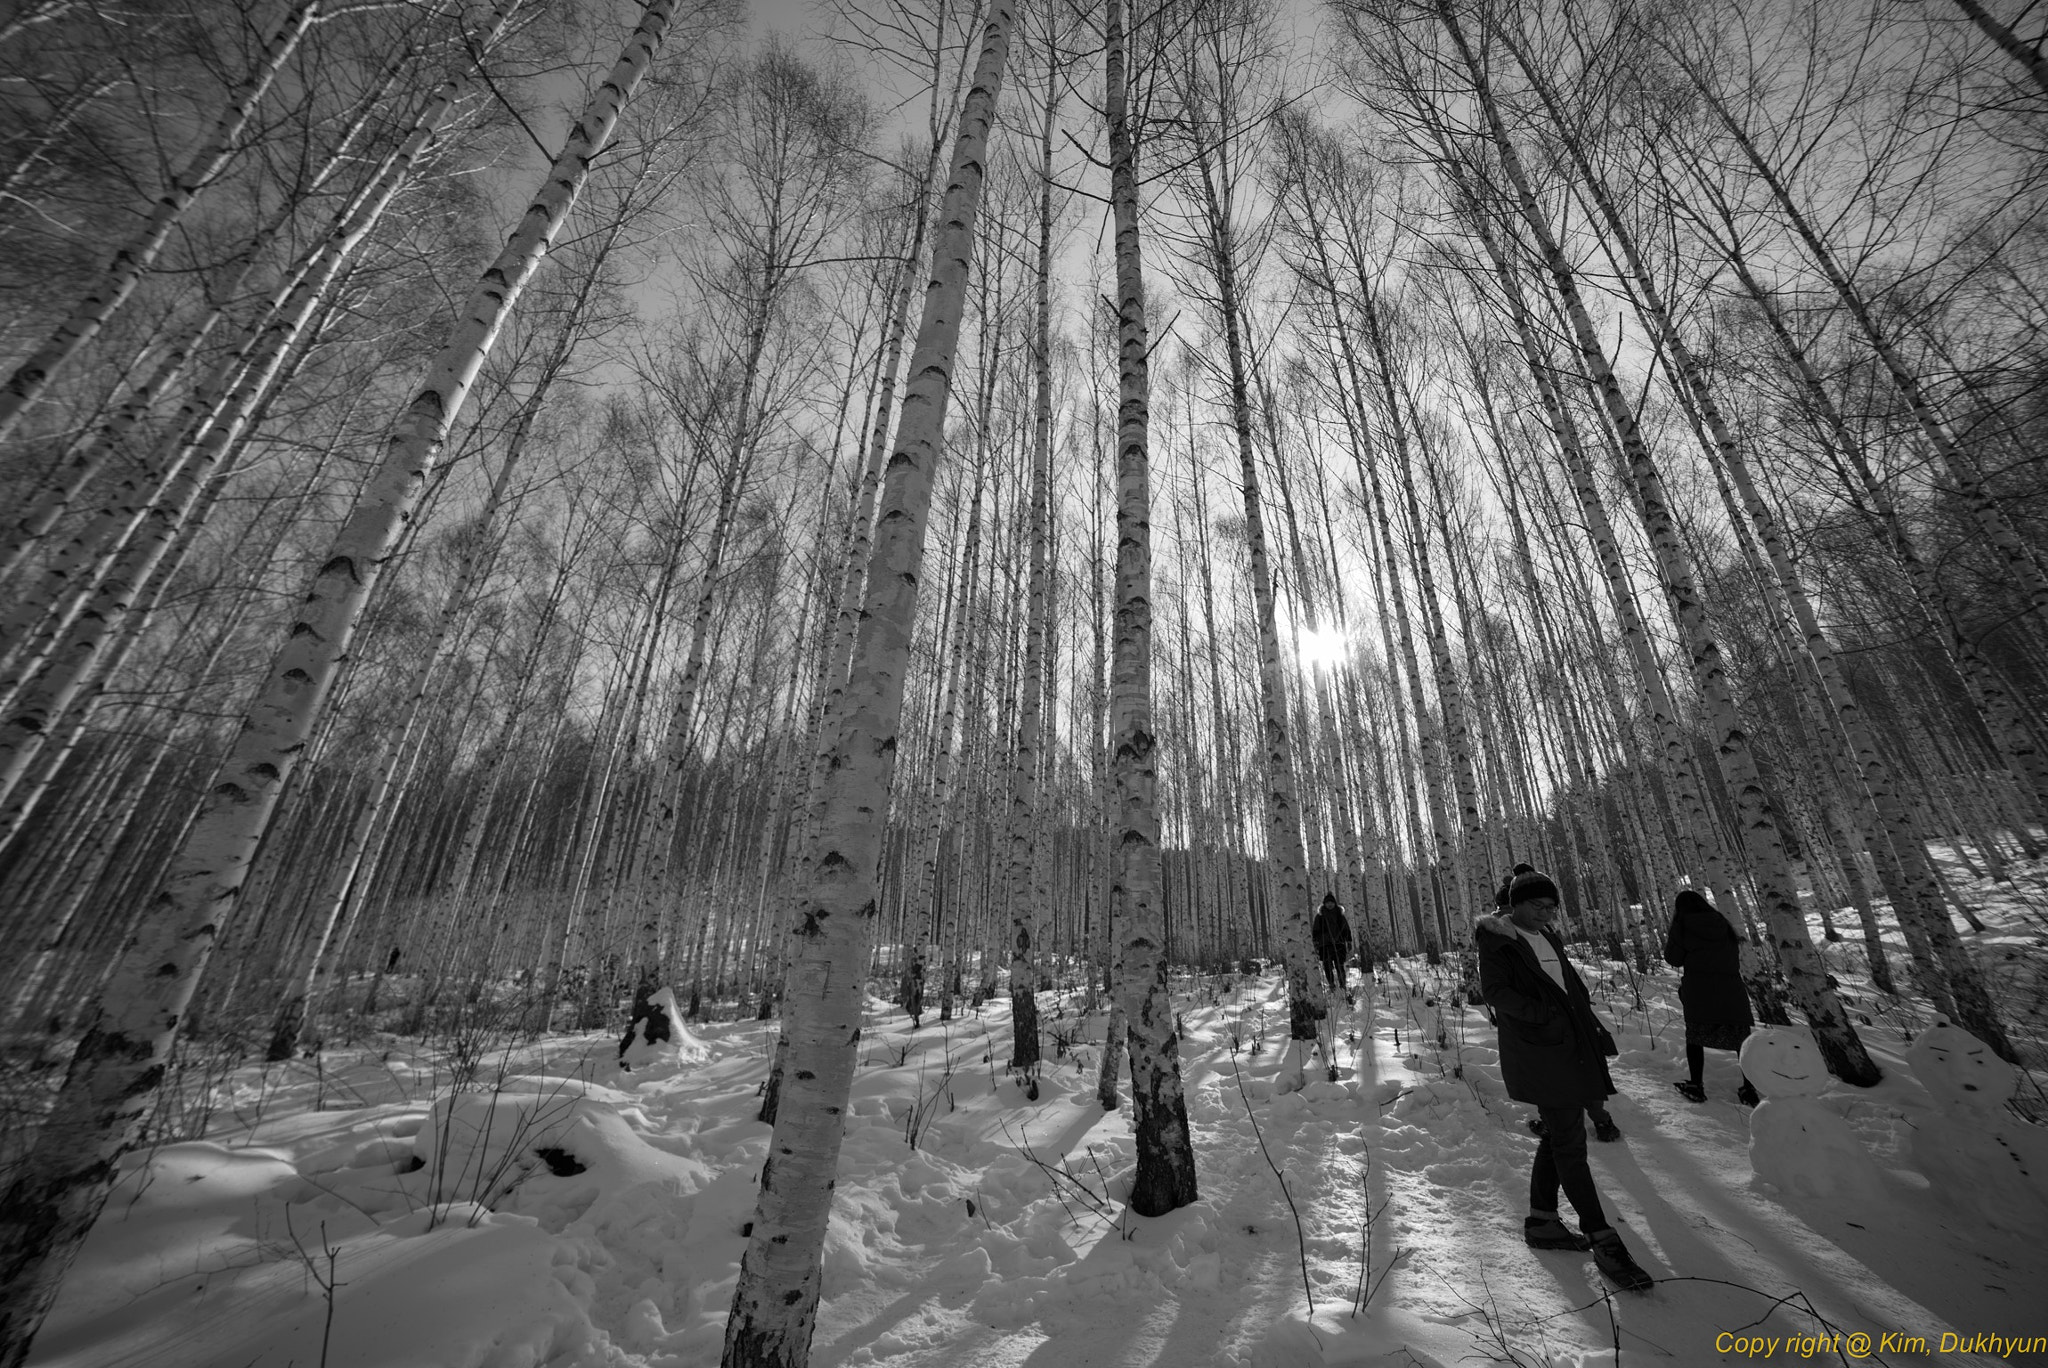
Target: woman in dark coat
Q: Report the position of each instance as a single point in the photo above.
(1553, 1056)
(1708, 952)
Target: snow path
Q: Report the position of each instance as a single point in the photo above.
(999, 1241)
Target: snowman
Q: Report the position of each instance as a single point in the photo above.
(1795, 1143)
(658, 1034)
(1976, 1153)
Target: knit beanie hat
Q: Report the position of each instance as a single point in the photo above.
(1529, 886)
(1500, 895)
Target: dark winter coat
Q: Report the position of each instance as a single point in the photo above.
(1331, 933)
(1706, 948)
(1553, 1049)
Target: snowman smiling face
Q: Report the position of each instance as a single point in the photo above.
(1784, 1063)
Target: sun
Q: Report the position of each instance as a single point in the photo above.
(1319, 647)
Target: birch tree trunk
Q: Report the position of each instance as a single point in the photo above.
(205, 424)
(1908, 877)
(120, 1064)
(1806, 977)
(1024, 789)
(775, 1302)
(1985, 509)
(139, 254)
(1165, 1178)
(1307, 996)
(1911, 879)
(1994, 702)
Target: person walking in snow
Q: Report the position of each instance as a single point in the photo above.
(1553, 1056)
(1708, 953)
(1604, 1127)
(1331, 933)
(913, 990)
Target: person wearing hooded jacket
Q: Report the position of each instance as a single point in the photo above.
(1708, 953)
(1604, 1127)
(1552, 1056)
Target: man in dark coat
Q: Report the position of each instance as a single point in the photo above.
(1553, 1056)
(1331, 933)
(1708, 952)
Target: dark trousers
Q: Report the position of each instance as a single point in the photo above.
(1333, 973)
(1561, 1162)
(1712, 1036)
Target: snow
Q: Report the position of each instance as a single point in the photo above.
(543, 1207)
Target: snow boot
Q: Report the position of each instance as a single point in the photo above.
(1747, 1094)
(1547, 1232)
(1691, 1091)
(1604, 1128)
(1613, 1259)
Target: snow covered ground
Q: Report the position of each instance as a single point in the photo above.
(565, 1213)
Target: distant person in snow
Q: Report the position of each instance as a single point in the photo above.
(1604, 1127)
(1708, 953)
(913, 990)
(1553, 1056)
(1331, 934)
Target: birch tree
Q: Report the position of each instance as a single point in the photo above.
(1834, 1033)
(1165, 1178)
(775, 1302)
(119, 1065)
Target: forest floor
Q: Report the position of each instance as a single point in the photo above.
(562, 1212)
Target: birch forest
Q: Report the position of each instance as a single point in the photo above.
(521, 518)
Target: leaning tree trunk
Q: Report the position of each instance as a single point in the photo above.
(139, 253)
(1909, 879)
(775, 1301)
(1695, 819)
(1943, 608)
(120, 1065)
(1985, 508)
(1805, 975)
(2028, 55)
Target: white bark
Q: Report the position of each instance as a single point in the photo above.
(1165, 1178)
(139, 254)
(775, 1302)
(119, 1066)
